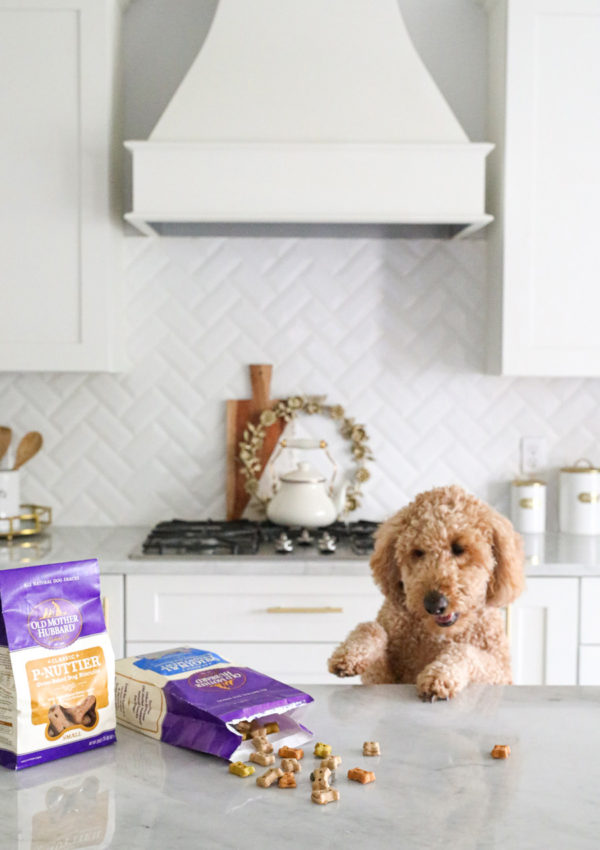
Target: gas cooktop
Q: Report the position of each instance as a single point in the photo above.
(179, 538)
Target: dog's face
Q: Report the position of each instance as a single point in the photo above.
(447, 555)
(445, 568)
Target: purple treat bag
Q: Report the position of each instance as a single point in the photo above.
(56, 663)
(194, 698)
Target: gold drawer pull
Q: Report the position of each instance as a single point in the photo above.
(326, 609)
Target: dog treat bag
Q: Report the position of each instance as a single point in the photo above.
(56, 664)
(194, 698)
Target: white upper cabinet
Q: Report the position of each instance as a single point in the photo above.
(58, 263)
(544, 186)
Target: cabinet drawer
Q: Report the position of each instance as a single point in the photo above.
(590, 605)
(589, 665)
(267, 608)
(293, 663)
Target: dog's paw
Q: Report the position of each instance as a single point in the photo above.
(434, 684)
(342, 664)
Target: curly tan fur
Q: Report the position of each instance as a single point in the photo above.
(446, 542)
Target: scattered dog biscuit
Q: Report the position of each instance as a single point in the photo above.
(371, 748)
(290, 753)
(288, 780)
(290, 765)
(261, 744)
(360, 775)
(263, 759)
(332, 762)
(500, 751)
(322, 793)
(322, 750)
(240, 769)
(324, 797)
(269, 777)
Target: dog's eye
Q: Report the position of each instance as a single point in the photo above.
(457, 549)
(417, 553)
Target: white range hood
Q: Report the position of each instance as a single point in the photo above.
(308, 111)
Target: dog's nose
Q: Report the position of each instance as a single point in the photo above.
(435, 602)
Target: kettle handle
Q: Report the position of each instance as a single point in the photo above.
(301, 443)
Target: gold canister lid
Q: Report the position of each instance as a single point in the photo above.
(588, 467)
(520, 482)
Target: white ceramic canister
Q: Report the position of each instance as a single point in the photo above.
(528, 506)
(9, 500)
(579, 499)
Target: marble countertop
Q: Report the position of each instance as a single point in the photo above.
(436, 785)
(546, 555)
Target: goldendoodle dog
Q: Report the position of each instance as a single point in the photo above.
(445, 564)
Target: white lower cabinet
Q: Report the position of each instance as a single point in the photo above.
(589, 652)
(285, 626)
(112, 590)
(544, 632)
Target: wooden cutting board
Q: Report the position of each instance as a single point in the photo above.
(239, 413)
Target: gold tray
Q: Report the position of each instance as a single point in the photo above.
(33, 520)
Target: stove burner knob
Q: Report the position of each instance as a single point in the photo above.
(304, 538)
(326, 543)
(283, 544)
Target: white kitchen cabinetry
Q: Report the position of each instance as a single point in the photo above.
(544, 184)
(112, 589)
(544, 632)
(589, 652)
(58, 261)
(285, 626)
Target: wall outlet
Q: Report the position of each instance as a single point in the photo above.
(534, 454)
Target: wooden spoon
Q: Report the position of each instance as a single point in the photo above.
(28, 447)
(5, 438)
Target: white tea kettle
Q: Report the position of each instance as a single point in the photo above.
(301, 497)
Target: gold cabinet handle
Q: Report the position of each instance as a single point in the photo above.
(326, 609)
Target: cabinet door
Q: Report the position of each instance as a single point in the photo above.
(113, 604)
(543, 633)
(57, 263)
(545, 181)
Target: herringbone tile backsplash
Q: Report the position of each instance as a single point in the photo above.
(392, 329)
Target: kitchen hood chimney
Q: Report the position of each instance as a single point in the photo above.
(308, 111)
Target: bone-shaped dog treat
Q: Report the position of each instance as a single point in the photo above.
(243, 727)
(500, 751)
(261, 745)
(288, 780)
(291, 765)
(322, 750)
(271, 728)
(332, 762)
(262, 758)
(320, 778)
(78, 712)
(324, 797)
(58, 719)
(360, 775)
(371, 748)
(269, 777)
(290, 753)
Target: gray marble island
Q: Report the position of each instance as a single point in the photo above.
(436, 785)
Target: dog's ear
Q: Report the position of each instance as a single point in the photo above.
(508, 580)
(384, 562)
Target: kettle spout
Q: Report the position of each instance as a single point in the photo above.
(338, 496)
